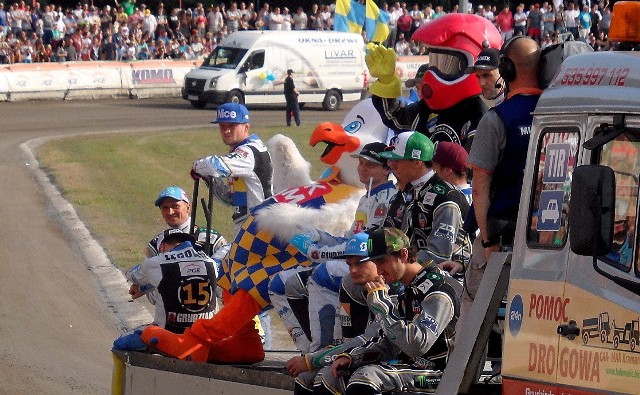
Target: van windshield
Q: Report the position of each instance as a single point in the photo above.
(225, 58)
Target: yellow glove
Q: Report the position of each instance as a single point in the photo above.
(381, 62)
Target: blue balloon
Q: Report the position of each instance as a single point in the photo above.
(271, 77)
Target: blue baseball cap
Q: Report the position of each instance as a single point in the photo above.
(171, 192)
(232, 113)
(357, 245)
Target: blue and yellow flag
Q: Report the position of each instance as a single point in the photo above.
(349, 16)
(376, 23)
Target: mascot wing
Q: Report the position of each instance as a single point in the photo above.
(290, 169)
(285, 220)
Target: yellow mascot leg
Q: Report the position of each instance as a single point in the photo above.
(233, 320)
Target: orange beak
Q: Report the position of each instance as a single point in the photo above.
(338, 141)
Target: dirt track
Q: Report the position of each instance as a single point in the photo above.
(56, 328)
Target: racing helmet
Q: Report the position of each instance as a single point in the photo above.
(453, 42)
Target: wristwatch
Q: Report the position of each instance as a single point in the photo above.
(492, 241)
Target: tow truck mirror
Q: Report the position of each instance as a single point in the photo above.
(592, 209)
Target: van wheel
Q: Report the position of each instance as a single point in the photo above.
(235, 97)
(332, 101)
(198, 104)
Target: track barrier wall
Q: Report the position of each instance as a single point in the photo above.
(98, 80)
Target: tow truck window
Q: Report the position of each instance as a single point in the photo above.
(621, 155)
(549, 206)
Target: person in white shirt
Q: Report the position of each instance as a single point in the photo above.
(215, 19)
(570, 18)
(276, 19)
(300, 20)
(286, 19)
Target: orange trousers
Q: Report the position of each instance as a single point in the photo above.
(229, 336)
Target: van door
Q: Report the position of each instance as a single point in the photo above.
(251, 70)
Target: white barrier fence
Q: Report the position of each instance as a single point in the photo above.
(93, 80)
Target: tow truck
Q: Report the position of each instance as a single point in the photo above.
(583, 153)
(596, 327)
(628, 334)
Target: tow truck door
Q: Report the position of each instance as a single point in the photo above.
(536, 303)
(604, 359)
(562, 314)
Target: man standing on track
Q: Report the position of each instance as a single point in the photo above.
(291, 96)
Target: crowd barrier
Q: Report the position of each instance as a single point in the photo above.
(95, 80)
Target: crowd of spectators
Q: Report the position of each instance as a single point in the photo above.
(128, 31)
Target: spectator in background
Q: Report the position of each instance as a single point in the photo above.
(300, 19)
(546, 40)
(548, 21)
(417, 16)
(605, 22)
(128, 6)
(394, 13)
(276, 19)
(197, 48)
(504, 22)
(201, 22)
(520, 21)
(534, 22)
(48, 21)
(4, 27)
(315, 19)
(584, 23)
(439, 12)
(70, 48)
(108, 49)
(402, 47)
(161, 51)
(61, 54)
(405, 22)
(149, 23)
(286, 22)
(596, 17)
(571, 20)
(215, 19)
(263, 17)
(233, 18)
(327, 18)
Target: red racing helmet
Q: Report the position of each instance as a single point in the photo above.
(453, 42)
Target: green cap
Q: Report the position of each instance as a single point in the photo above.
(379, 243)
(410, 145)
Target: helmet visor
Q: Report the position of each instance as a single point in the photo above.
(448, 65)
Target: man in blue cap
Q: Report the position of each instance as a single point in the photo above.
(175, 209)
(241, 178)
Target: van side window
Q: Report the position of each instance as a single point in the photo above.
(549, 205)
(257, 60)
(621, 155)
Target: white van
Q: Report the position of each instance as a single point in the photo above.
(250, 67)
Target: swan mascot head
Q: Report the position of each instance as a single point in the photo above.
(260, 249)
